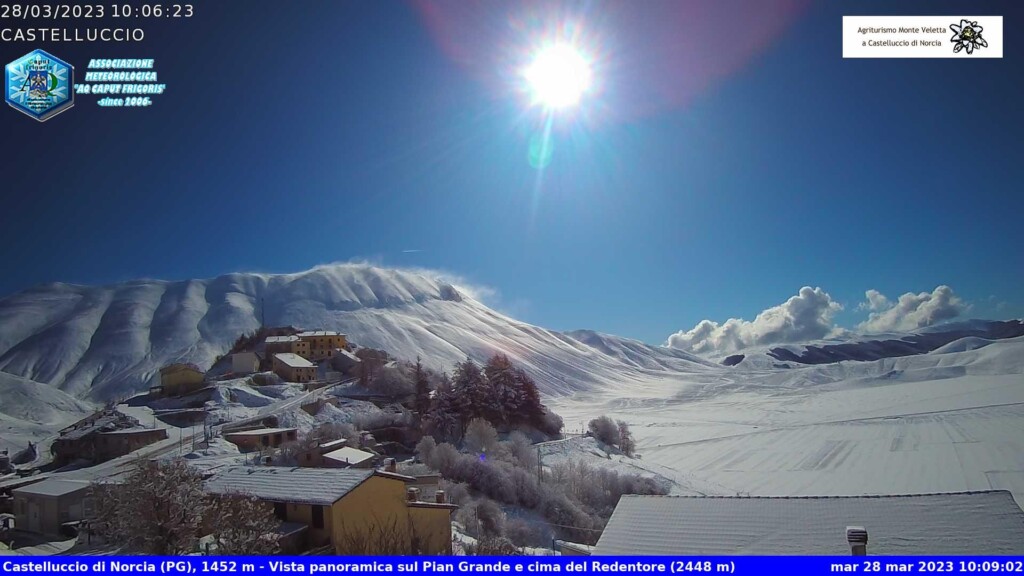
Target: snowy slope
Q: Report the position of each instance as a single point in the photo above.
(948, 420)
(105, 342)
(30, 411)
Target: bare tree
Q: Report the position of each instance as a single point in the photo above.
(381, 538)
(158, 509)
(626, 442)
(243, 525)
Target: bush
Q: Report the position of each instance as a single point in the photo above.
(522, 450)
(480, 436)
(523, 533)
(499, 546)
(392, 381)
(425, 448)
(605, 430)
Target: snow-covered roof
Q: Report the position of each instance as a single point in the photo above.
(260, 431)
(334, 443)
(129, 431)
(964, 523)
(349, 455)
(52, 487)
(321, 486)
(309, 333)
(280, 339)
(294, 360)
(347, 354)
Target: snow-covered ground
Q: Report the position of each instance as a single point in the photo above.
(949, 419)
(945, 421)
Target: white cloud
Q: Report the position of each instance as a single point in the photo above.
(876, 301)
(806, 316)
(910, 311)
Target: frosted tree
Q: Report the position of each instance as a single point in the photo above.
(422, 382)
(626, 443)
(157, 510)
(604, 429)
(506, 392)
(480, 436)
(445, 420)
(470, 386)
(530, 409)
(243, 525)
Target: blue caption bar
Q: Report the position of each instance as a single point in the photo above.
(178, 565)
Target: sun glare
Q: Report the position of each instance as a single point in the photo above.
(558, 76)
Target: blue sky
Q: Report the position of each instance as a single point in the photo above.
(351, 133)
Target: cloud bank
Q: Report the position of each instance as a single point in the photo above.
(806, 316)
(910, 311)
(809, 316)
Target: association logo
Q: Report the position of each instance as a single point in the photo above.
(40, 85)
(967, 36)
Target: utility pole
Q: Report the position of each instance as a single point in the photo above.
(540, 467)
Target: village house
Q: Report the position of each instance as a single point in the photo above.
(294, 368)
(274, 345)
(245, 363)
(354, 511)
(965, 523)
(314, 457)
(102, 436)
(322, 343)
(261, 438)
(179, 379)
(48, 507)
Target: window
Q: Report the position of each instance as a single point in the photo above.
(318, 517)
(281, 511)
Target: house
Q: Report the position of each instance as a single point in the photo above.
(294, 368)
(314, 457)
(344, 361)
(179, 379)
(114, 443)
(262, 438)
(322, 343)
(349, 457)
(102, 436)
(350, 509)
(965, 523)
(285, 345)
(245, 363)
(45, 507)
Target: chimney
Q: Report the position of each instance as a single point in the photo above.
(439, 496)
(391, 465)
(413, 494)
(857, 536)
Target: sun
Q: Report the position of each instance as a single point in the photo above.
(559, 76)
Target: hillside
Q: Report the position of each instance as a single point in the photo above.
(99, 343)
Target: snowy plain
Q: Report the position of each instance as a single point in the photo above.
(950, 419)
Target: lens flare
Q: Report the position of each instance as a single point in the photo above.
(558, 76)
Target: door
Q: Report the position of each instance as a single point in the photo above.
(33, 517)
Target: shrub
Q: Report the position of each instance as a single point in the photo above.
(425, 448)
(480, 436)
(605, 430)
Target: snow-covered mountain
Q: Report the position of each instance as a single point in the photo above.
(939, 410)
(98, 343)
